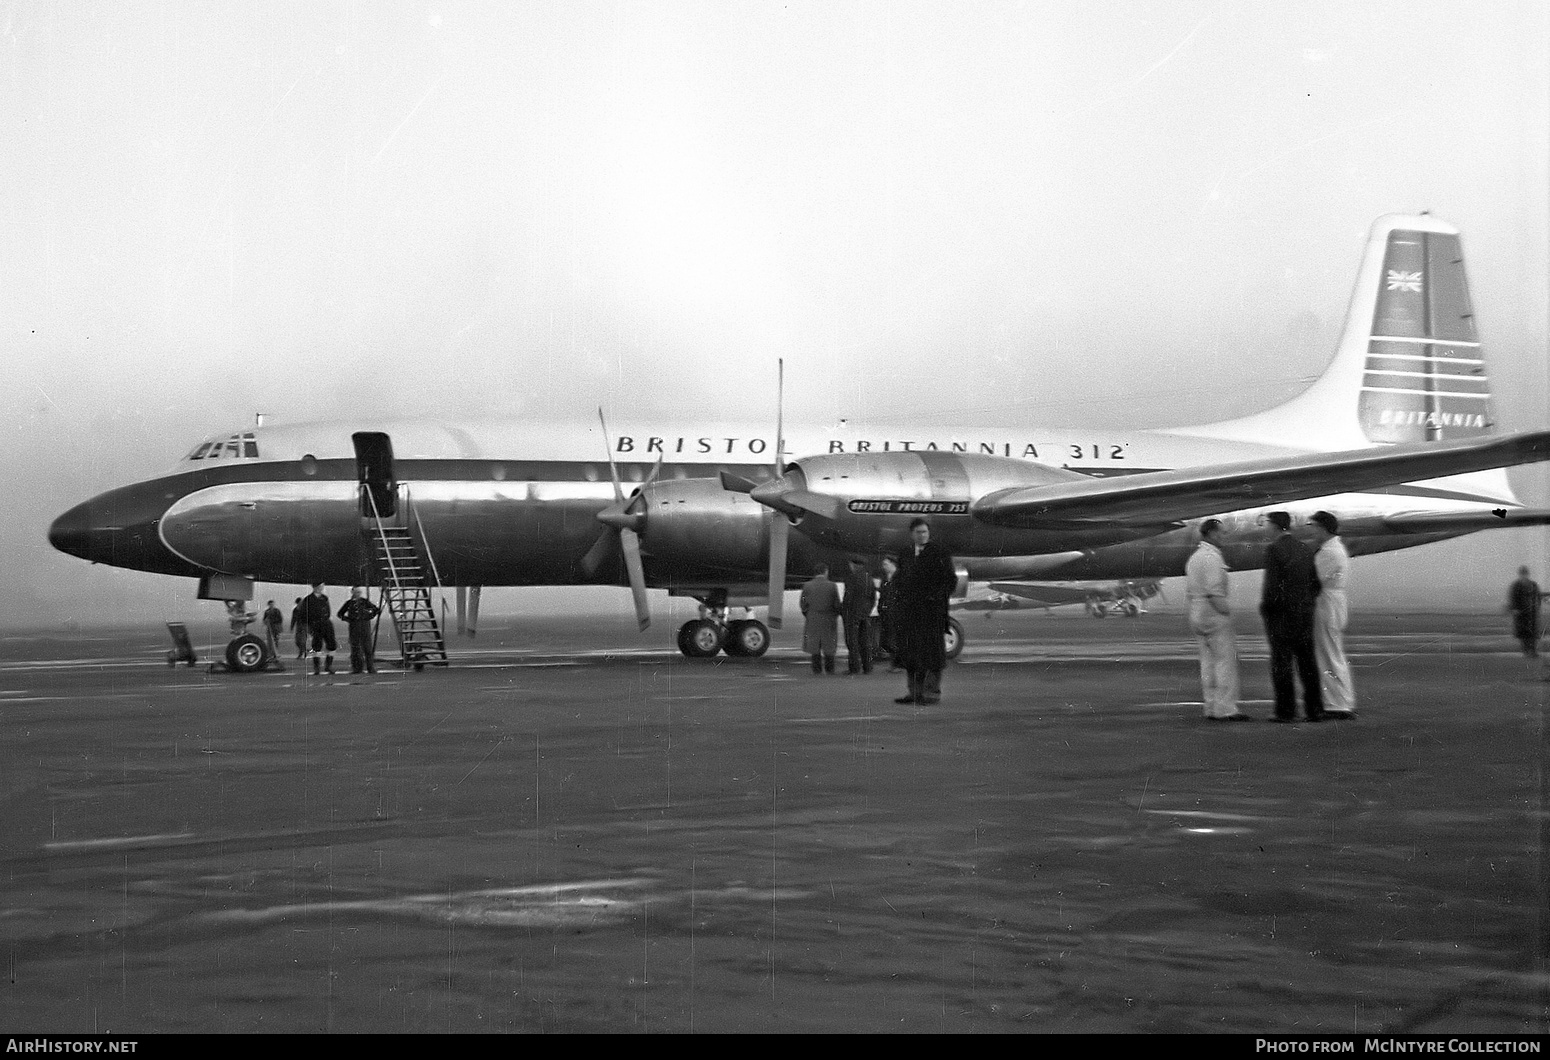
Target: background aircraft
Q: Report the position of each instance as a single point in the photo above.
(716, 512)
(1101, 599)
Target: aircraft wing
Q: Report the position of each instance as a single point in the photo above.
(1457, 522)
(1169, 497)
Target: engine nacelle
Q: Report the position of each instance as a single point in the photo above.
(693, 527)
(864, 502)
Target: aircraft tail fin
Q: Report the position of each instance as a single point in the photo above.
(1409, 366)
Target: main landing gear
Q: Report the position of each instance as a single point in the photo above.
(704, 637)
(711, 634)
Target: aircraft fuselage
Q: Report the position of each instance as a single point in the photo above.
(297, 517)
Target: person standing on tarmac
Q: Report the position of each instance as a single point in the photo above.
(1523, 598)
(319, 617)
(887, 602)
(926, 581)
(1286, 604)
(358, 613)
(860, 598)
(274, 622)
(299, 629)
(1330, 615)
(821, 606)
(1210, 619)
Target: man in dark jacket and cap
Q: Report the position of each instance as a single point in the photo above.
(319, 619)
(926, 580)
(1286, 603)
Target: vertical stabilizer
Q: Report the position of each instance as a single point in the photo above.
(1409, 366)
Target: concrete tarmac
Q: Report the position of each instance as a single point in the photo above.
(576, 829)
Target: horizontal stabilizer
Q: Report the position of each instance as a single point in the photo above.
(1170, 496)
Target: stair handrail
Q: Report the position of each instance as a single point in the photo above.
(387, 553)
(425, 542)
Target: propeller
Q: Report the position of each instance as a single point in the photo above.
(771, 496)
(780, 526)
(625, 519)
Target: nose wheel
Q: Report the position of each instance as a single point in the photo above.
(246, 654)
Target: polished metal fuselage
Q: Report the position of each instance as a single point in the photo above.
(296, 516)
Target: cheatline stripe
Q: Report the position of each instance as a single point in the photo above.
(1423, 340)
(1423, 393)
(1436, 358)
(1480, 379)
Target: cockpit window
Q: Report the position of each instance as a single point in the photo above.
(243, 445)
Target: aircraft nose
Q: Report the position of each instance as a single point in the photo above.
(120, 528)
(72, 532)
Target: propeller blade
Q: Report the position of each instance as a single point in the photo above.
(631, 542)
(603, 550)
(779, 528)
(780, 415)
(655, 471)
(623, 525)
(474, 593)
(613, 469)
(736, 483)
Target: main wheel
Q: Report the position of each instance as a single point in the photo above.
(246, 654)
(953, 641)
(750, 638)
(700, 639)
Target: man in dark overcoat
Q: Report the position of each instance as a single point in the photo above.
(926, 580)
(856, 611)
(1286, 603)
(1523, 598)
(821, 605)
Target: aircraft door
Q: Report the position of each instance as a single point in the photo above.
(374, 465)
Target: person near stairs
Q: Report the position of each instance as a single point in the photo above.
(319, 616)
(358, 613)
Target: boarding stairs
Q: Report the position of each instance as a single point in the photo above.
(407, 574)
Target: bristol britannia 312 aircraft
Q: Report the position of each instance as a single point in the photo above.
(1397, 437)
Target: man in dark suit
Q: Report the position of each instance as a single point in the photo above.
(856, 611)
(926, 580)
(887, 609)
(1291, 587)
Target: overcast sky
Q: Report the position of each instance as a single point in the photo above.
(1113, 213)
